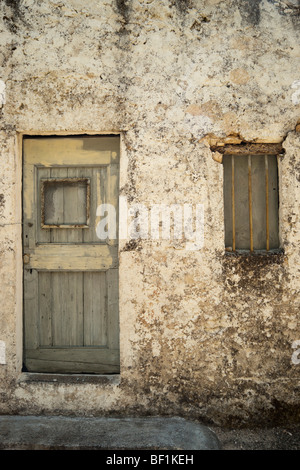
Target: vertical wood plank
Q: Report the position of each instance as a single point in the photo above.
(113, 197)
(113, 308)
(242, 229)
(267, 202)
(250, 200)
(59, 308)
(95, 310)
(87, 234)
(233, 202)
(43, 234)
(74, 300)
(59, 235)
(29, 207)
(45, 308)
(273, 202)
(98, 176)
(71, 208)
(227, 176)
(259, 202)
(31, 321)
(67, 312)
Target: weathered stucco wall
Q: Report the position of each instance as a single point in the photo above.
(203, 334)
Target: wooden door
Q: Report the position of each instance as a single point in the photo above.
(70, 275)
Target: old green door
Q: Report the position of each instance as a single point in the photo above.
(70, 274)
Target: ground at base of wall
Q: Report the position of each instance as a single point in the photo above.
(138, 433)
(278, 438)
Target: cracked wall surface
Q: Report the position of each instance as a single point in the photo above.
(203, 334)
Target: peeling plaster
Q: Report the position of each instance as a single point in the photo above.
(2, 352)
(296, 94)
(2, 93)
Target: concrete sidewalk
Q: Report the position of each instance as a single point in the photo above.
(56, 433)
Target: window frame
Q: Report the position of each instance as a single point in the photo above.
(251, 149)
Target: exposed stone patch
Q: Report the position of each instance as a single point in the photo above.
(2, 202)
(15, 16)
(250, 11)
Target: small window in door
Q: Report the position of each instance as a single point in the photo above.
(56, 194)
(251, 199)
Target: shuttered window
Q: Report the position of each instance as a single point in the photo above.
(251, 200)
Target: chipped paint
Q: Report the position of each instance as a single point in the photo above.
(2, 93)
(2, 352)
(296, 94)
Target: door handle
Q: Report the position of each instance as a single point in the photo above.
(26, 259)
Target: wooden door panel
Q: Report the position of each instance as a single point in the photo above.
(72, 308)
(95, 302)
(70, 276)
(72, 257)
(72, 360)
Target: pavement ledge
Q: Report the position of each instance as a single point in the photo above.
(104, 433)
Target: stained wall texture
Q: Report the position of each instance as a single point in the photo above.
(203, 333)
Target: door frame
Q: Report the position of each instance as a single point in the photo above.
(19, 304)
